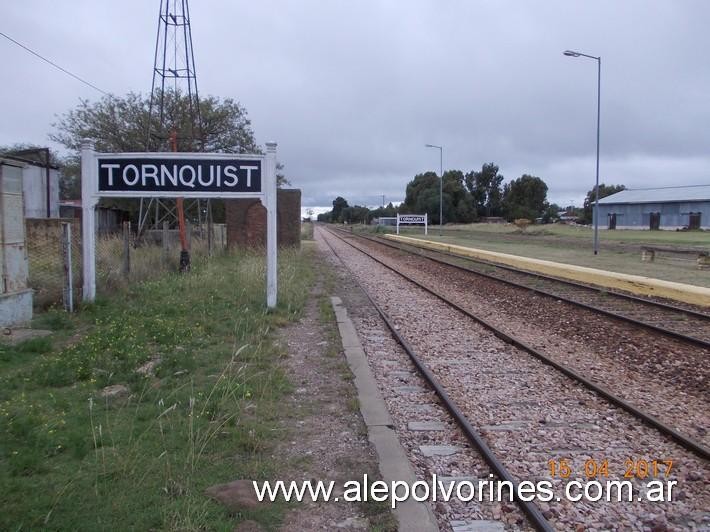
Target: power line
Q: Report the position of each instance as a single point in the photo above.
(54, 64)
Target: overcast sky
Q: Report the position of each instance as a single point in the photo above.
(352, 91)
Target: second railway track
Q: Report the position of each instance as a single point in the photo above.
(684, 323)
(681, 437)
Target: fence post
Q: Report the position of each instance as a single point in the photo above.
(166, 242)
(210, 230)
(126, 248)
(68, 291)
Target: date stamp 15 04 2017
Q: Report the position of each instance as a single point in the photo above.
(638, 468)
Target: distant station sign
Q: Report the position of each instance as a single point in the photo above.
(413, 219)
(187, 176)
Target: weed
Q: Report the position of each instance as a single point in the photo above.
(72, 459)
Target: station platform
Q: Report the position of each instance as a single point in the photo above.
(635, 284)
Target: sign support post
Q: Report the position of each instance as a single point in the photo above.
(88, 215)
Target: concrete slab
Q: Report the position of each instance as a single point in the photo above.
(446, 481)
(392, 459)
(507, 426)
(406, 390)
(477, 525)
(422, 426)
(17, 336)
(439, 450)
(401, 375)
(15, 308)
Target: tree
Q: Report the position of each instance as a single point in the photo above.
(485, 190)
(551, 213)
(390, 211)
(423, 196)
(525, 197)
(604, 191)
(281, 180)
(339, 204)
(355, 214)
(120, 124)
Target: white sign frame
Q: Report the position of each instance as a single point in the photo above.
(90, 196)
(425, 222)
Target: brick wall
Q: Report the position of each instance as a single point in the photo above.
(246, 220)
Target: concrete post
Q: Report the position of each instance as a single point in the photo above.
(88, 215)
(68, 273)
(269, 185)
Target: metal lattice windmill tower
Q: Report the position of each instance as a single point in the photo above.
(174, 121)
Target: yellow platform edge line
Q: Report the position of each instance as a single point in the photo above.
(636, 284)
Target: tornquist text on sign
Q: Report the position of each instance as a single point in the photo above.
(179, 175)
(411, 219)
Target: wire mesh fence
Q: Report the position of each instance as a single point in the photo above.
(122, 258)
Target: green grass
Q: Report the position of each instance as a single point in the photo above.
(72, 460)
(620, 250)
(306, 230)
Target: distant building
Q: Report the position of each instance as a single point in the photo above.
(41, 198)
(657, 208)
(107, 219)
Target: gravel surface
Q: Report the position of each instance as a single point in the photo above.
(649, 370)
(528, 412)
(409, 400)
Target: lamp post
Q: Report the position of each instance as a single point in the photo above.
(441, 186)
(571, 53)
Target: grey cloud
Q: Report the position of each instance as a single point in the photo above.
(353, 90)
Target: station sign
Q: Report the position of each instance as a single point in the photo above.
(172, 175)
(184, 175)
(413, 219)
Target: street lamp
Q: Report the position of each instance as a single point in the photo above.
(571, 53)
(441, 186)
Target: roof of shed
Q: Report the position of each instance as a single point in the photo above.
(659, 195)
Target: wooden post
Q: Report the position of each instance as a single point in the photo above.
(126, 249)
(210, 230)
(166, 242)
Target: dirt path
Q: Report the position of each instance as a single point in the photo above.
(327, 439)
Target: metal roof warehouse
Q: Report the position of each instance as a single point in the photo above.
(686, 207)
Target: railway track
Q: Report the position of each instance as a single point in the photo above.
(685, 441)
(685, 324)
(476, 439)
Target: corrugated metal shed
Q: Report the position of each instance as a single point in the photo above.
(659, 195)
